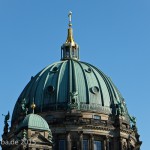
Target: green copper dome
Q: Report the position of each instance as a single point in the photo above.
(36, 122)
(71, 84)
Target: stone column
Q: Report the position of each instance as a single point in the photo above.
(68, 142)
(116, 144)
(104, 145)
(81, 141)
(128, 142)
(107, 143)
(121, 144)
(91, 142)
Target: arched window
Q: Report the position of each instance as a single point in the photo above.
(85, 144)
(97, 145)
(66, 53)
(74, 53)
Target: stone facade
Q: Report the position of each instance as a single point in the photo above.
(78, 130)
(81, 130)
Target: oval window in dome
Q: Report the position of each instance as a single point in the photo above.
(55, 69)
(89, 70)
(50, 89)
(94, 89)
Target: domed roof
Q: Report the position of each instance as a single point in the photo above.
(36, 122)
(71, 83)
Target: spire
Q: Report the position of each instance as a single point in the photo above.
(70, 31)
(70, 49)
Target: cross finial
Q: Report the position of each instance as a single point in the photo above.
(70, 18)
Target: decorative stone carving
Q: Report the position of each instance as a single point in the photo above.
(74, 100)
(23, 106)
(120, 108)
(133, 120)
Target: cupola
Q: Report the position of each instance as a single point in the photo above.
(70, 49)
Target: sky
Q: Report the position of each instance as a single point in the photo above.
(113, 35)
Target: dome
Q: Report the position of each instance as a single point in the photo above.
(33, 121)
(70, 84)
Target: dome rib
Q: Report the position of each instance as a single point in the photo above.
(80, 79)
(113, 89)
(70, 81)
(110, 90)
(37, 97)
(92, 81)
(101, 93)
(75, 89)
(29, 86)
(106, 83)
(58, 82)
(85, 79)
(44, 91)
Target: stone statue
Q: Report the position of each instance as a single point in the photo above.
(120, 108)
(133, 120)
(74, 99)
(6, 125)
(50, 137)
(23, 106)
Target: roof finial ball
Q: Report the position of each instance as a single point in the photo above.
(33, 107)
(70, 18)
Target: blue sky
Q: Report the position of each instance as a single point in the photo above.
(113, 35)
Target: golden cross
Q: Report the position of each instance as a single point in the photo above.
(70, 18)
